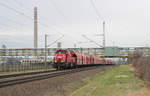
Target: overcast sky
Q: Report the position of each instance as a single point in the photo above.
(127, 22)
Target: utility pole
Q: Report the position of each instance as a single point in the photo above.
(104, 34)
(45, 49)
(35, 28)
(75, 45)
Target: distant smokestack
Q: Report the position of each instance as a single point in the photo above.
(104, 42)
(35, 28)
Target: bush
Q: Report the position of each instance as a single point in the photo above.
(141, 66)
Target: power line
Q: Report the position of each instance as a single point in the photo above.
(25, 8)
(61, 13)
(95, 9)
(7, 26)
(58, 10)
(17, 2)
(13, 21)
(91, 40)
(55, 41)
(16, 11)
(41, 23)
(21, 13)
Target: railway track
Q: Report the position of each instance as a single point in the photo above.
(10, 81)
(25, 74)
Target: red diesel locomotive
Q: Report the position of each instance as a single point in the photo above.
(69, 59)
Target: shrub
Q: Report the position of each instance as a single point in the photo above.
(141, 66)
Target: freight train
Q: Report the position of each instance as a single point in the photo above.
(65, 59)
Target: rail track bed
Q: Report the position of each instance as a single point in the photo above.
(29, 77)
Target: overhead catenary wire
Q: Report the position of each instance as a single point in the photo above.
(55, 41)
(27, 8)
(21, 13)
(95, 9)
(91, 40)
(58, 10)
(16, 11)
(7, 26)
(17, 2)
(66, 19)
(13, 21)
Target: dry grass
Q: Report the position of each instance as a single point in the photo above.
(143, 92)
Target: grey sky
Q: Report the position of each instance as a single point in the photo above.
(127, 22)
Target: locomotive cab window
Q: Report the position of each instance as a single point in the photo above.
(60, 52)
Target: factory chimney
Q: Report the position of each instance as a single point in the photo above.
(104, 42)
(35, 28)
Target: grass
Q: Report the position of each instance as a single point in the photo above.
(117, 82)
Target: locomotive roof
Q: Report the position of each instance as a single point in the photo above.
(65, 50)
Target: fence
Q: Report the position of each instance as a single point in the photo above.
(17, 64)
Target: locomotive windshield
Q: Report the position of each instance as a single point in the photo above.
(60, 52)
